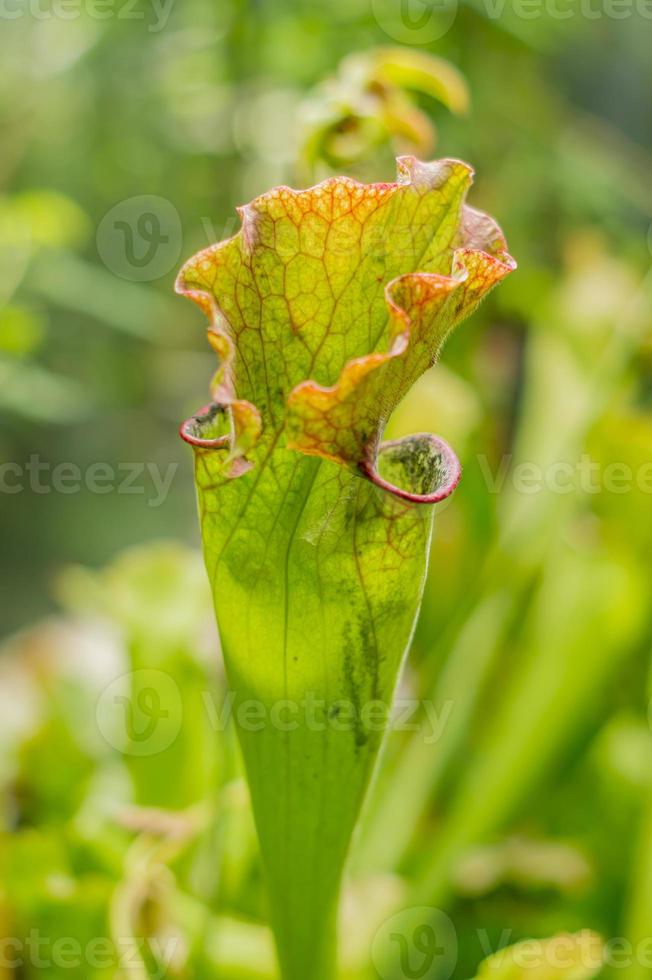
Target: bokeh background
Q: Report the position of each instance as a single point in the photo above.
(129, 134)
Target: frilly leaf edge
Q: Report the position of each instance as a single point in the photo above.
(470, 263)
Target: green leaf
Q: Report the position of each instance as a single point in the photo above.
(324, 309)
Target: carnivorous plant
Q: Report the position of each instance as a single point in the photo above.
(323, 310)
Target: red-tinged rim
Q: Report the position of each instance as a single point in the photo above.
(451, 465)
(210, 411)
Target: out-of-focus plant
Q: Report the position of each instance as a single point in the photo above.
(370, 105)
(164, 636)
(559, 597)
(116, 840)
(638, 908)
(33, 223)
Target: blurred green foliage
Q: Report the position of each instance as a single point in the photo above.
(531, 813)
